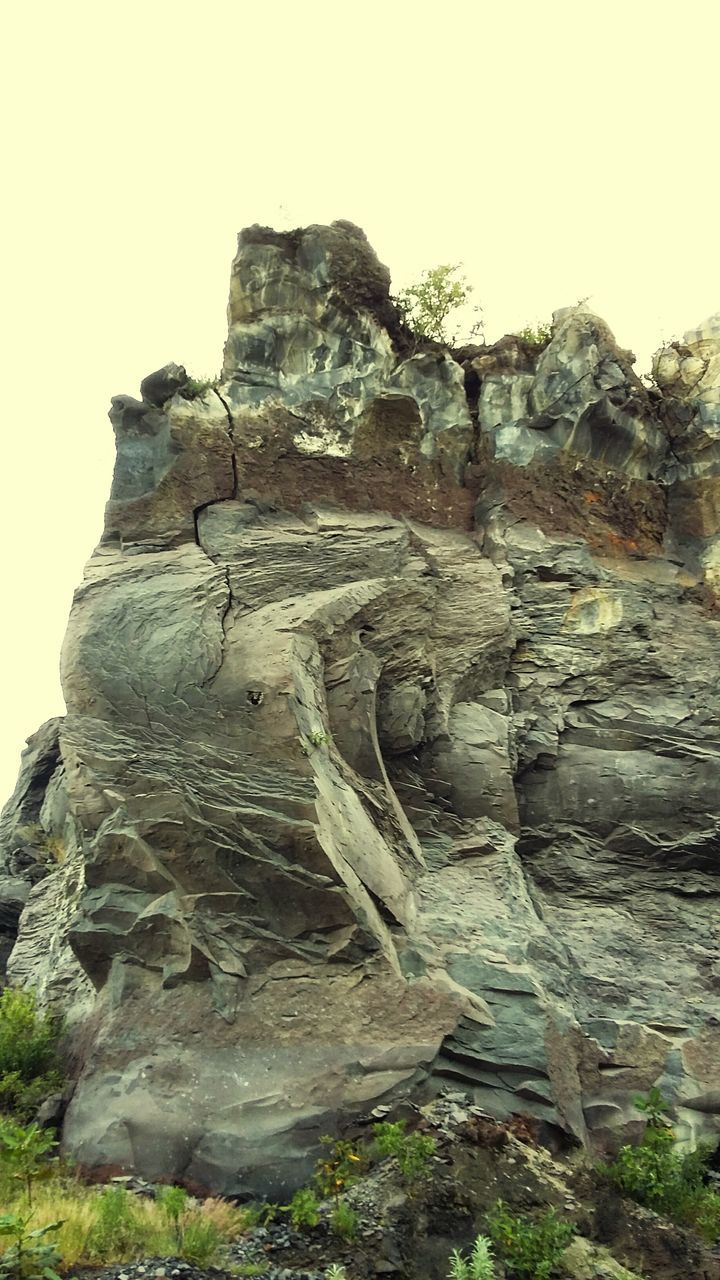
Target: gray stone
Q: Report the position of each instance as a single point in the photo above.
(382, 772)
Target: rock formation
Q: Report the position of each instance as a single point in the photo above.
(392, 745)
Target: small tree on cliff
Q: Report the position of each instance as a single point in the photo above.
(426, 307)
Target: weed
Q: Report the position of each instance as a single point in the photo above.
(116, 1233)
(335, 1272)
(537, 335)
(24, 1148)
(303, 1208)
(413, 1151)
(654, 1107)
(317, 738)
(202, 1241)
(479, 1266)
(340, 1169)
(30, 1256)
(658, 1176)
(231, 1220)
(172, 1202)
(344, 1221)
(529, 1248)
(195, 387)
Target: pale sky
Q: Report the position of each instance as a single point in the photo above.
(555, 149)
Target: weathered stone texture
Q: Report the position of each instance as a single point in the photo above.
(392, 748)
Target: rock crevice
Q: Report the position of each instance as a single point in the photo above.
(391, 754)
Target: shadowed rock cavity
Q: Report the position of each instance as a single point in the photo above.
(391, 750)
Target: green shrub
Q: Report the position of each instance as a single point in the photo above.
(479, 1266)
(303, 1208)
(195, 387)
(425, 307)
(23, 1152)
(29, 1062)
(344, 1221)
(413, 1151)
(657, 1176)
(116, 1232)
(536, 335)
(172, 1202)
(202, 1241)
(342, 1166)
(30, 1256)
(529, 1247)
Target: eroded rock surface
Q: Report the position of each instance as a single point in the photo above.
(392, 746)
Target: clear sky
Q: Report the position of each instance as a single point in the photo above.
(556, 149)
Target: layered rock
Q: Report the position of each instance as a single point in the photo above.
(391, 754)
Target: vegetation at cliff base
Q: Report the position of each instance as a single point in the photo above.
(29, 1056)
(95, 1226)
(657, 1175)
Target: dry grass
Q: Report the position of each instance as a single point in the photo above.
(105, 1227)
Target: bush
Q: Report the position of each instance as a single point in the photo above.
(23, 1151)
(117, 1231)
(529, 1248)
(425, 307)
(479, 1266)
(413, 1151)
(656, 1175)
(342, 1166)
(29, 1061)
(303, 1208)
(537, 335)
(30, 1256)
(195, 387)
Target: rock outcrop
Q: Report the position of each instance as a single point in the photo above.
(392, 745)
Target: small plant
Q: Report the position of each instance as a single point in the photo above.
(195, 387)
(172, 1202)
(529, 1248)
(31, 1256)
(335, 1272)
(536, 335)
(413, 1151)
(340, 1169)
(479, 1266)
(202, 1241)
(303, 1208)
(315, 739)
(116, 1231)
(344, 1221)
(426, 307)
(24, 1148)
(654, 1107)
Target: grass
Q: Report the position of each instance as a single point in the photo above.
(100, 1227)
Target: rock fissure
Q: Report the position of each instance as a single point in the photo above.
(393, 735)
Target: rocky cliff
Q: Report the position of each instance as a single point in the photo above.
(392, 745)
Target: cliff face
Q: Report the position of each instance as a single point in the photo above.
(391, 757)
